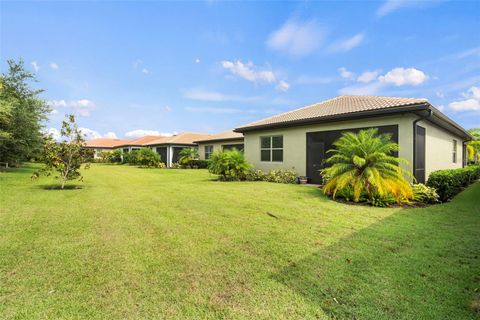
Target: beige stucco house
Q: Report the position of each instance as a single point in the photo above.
(219, 142)
(299, 139)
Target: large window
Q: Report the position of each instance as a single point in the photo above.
(454, 153)
(208, 152)
(271, 149)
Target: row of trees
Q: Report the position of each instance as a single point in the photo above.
(22, 113)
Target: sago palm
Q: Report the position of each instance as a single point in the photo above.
(187, 155)
(363, 162)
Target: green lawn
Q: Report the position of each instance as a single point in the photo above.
(147, 243)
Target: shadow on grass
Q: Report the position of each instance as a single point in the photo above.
(59, 187)
(416, 264)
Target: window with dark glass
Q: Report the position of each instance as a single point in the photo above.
(454, 153)
(271, 149)
(208, 152)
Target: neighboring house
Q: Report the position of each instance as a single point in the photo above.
(138, 143)
(220, 141)
(169, 147)
(299, 139)
(104, 144)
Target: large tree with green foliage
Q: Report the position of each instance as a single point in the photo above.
(22, 112)
(363, 162)
(65, 157)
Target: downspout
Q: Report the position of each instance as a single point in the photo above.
(430, 113)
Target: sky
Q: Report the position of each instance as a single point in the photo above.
(127, 69)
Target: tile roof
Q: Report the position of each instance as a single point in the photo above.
(180, 138)
(105, 143)
(141, 141)
(225, 135)
(336, 106)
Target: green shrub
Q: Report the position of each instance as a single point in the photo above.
(378, 200)
(425, 194)
(130, 157)
(105, 156)
(116, 156)
(187, 156)
(176, 165)
(276, 176)
(450, 182)
(200, 164)
(229, 165)
(146, 157)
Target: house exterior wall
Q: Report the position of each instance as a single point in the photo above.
(295, 140)
(217, 146)
(439, 148)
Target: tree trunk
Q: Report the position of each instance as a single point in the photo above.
(63, 182)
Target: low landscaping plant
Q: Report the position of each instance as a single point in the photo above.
(116, 156)
(364, 162)
(276, 176)
(200, 164)
(230, 165)
(425, 194)
(187, 157)
(146, 157)
(450, 182)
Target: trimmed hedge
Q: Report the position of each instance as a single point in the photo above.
(450, 182)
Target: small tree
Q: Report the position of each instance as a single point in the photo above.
(146, 157)
(64, 157)
(116, 156)
(187, 156)
(230, 165)
(363, 162)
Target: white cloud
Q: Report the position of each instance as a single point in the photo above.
(203, 95)
(54, 133)
(404, 76)
(297, 38)
(345, 74)
(137, 63)
(389, 6)
(197, 60)
(167, 109)
(111, 135)
(348, 44)
(54, 111)
(248, 71)
(54, 66)
(90, 134)
(145, 71)
(82, 107)
(283, 85)
(367, 76)
(35, 65)
(471, 101)
(141, 133)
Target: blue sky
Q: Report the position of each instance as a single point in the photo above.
(127, 68)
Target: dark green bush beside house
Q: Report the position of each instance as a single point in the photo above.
(450, 182)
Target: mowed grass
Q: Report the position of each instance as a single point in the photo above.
(173, 244)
